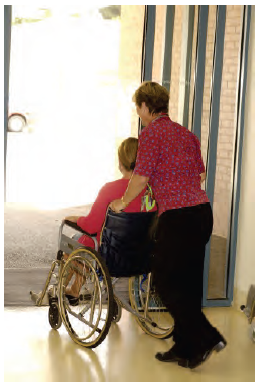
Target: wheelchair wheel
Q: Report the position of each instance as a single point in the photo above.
(147, 303)
(117, 312)
(88, 318)
(54, 316)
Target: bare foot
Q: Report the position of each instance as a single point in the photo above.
(70, 292)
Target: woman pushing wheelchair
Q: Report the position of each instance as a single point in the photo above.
(169, 158)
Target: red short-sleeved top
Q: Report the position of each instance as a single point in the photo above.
(93, 222)
(170, 156)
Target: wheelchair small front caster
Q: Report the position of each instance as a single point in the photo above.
(54, 314)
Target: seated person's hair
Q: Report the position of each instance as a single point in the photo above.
(127, 153)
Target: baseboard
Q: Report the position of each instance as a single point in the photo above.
(239, 298)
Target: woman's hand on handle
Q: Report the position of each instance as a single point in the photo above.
(117, 205)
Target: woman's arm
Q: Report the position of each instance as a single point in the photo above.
(199, 160)
(136, 185)
(202, 177)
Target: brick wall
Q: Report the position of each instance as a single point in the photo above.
(225, 149)
(159, 38)
(207, 81)
(176, 63)
(227, 121)
(193, 62)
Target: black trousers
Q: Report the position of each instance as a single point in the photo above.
(177, 268)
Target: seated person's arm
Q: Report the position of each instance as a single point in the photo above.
(93, 222)
(72, 219)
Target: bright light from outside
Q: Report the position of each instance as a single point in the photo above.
(64, 78)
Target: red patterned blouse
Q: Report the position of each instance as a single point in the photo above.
(170, 156)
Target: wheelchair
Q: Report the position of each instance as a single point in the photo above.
(125, 251)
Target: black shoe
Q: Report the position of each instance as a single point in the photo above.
(202, 357)
(85, 297)
(74, 301)
(172, 356)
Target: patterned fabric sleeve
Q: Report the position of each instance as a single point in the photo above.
(148, 153)
(199, 159)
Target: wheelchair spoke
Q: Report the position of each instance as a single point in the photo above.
(152, 315)
(88, 317)
(81, 318)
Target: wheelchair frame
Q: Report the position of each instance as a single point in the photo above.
(140, 305)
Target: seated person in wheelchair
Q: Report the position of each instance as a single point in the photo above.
(94, 221)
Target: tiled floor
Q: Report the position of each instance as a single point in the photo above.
(35, 352)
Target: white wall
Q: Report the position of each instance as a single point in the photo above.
(245, 258)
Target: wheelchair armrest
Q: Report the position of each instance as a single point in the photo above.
(76, 227)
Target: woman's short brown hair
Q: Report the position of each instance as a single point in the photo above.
(127, 153)
(155, 96)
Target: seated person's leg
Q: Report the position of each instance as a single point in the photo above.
(79, 280)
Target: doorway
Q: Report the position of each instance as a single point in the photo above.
(67, 79)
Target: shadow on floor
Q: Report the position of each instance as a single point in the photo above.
(19, 282)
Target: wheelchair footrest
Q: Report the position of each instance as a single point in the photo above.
(35, 297)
